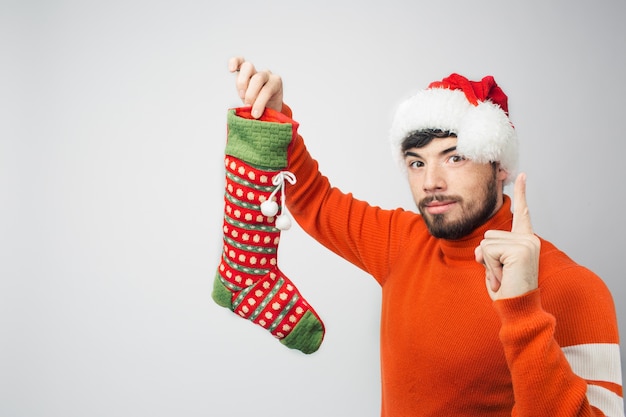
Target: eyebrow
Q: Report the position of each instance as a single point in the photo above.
(416, 155)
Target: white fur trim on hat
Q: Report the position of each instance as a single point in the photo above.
(484, 132)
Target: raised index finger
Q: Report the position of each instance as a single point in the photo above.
(521, 214)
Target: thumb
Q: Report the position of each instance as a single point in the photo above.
(521, 214)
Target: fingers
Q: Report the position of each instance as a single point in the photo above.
(493, 284)
(245, 71)
(511, 259)
(493, 268)
(492, 278)
(234, 63)
(268, 93)
(511, 262)
(258, 89)
(521, 214)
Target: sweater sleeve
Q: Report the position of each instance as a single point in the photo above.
(572, 371)
(356, 231)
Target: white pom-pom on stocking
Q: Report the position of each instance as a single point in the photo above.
(283, 222)
(269, 208)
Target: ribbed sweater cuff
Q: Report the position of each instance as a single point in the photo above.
(522, 317)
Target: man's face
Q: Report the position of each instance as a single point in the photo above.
(454, 195)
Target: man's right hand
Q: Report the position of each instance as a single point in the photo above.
(258, 89)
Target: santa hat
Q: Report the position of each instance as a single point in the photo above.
(476, 111)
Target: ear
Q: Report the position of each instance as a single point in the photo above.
(501, 173)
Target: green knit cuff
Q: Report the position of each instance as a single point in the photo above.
(258, 143)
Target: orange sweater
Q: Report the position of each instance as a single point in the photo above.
(446, 348)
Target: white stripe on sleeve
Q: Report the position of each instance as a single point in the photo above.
(610, 403)
(595, 361)
(598, 362)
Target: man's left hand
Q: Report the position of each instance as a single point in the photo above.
(511, 259)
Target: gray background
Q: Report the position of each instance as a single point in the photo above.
(112, 127)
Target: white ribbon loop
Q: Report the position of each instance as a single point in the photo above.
(270, 208)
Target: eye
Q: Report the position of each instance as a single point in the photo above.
(414, 164)
(455, 159)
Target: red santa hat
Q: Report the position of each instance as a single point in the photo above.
(476, 111)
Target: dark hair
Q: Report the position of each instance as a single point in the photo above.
(421, 138)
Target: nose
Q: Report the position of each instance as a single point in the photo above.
(434, 180)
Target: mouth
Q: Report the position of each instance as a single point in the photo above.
(434, 206)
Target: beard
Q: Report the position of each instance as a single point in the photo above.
(474, 214)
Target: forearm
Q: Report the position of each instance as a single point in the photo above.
(337, 220)
(362, 234)
(544, 383)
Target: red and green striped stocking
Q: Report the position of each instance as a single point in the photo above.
(248, 280)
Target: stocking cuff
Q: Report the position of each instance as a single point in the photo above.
(262, 143)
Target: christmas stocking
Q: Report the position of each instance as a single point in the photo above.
(248, 280)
